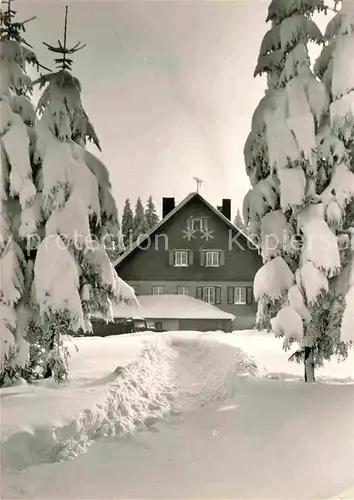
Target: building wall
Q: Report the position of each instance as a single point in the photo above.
(245, 315)
(205, 325)
(201, 325)
(170, 325)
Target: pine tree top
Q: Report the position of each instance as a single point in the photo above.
(63, 62)
(62, 98)
(139, 203)
(12, 33)
(278, 10)
(9, 28)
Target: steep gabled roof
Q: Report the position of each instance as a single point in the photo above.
(169, 216)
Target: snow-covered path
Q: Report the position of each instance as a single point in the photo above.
(238, 437)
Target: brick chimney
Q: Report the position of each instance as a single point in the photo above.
(168, 204)
(226, 208)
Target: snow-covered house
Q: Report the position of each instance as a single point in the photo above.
(195, 250)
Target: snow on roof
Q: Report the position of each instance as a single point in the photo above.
(171, 306)
(172, 213)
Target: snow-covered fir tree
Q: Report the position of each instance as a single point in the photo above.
(114, 245)
(78, 212)
(109, 231)
(127, 223)
(240, 223)
(289, 158)
(113, 241)
(335, 68)
(65, 206)
(151, 216)
(139, 222)
(18, 194)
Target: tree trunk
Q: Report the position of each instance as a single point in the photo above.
(309, 363)
(47, 372)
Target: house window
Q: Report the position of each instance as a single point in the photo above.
(240, 295)
(209, 294)
(181, 258)
(212, 258)
(183, 290)
(198, 223)
(158, 290)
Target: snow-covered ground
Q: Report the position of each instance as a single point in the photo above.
(44, 422)
(228, 432)
(267, 352)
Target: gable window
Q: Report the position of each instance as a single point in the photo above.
(240, 295)
(183, 290)
(181, 258)
(212, 258)
(158, 290)
(198, 223)
(210, 294)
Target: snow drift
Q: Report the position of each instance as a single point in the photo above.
(137, 395)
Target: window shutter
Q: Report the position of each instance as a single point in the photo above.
(190, 258)
(222, 257)
(249, 295)
(200, 292)
(172, 258)
(218, 295)
(230, 295)
(202, 257)
(189, 223)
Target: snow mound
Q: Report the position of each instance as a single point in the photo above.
(207, 370)
(138, 394)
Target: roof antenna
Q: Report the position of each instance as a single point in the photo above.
(199, 182)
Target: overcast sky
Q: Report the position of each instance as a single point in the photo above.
(168, 86)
